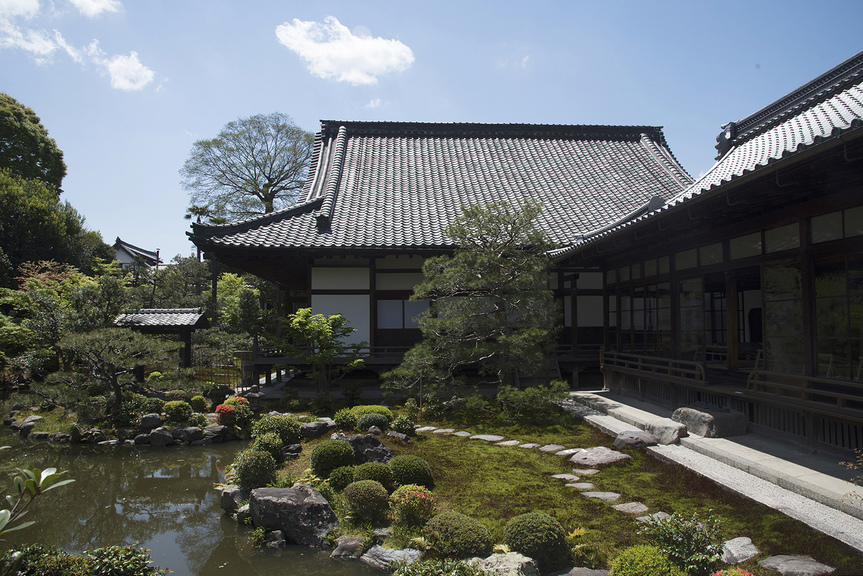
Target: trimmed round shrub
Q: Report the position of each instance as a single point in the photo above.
(410, 469)
(539, 536)
(345, 419)
(254, 469)
(286, 427)
(404, 425)
(227, 414)
(177, 411)
(375, 471)
(235, 401)
(366, 421)
(341, 477)
(412, 505)
(439, 567)
(199, 420)
(174, 395)
(199, 403)
(243, 415)
(360, 411)
(151, 406)
(367, 500)
(271, 443)
(329, 455)
(643, 561)
(455, 535)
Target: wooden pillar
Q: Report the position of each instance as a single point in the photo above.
(732, 326)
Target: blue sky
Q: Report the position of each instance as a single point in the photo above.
(126, 87)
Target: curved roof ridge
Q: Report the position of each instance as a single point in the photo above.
(261, 219)
(666, 159)
(325, 216)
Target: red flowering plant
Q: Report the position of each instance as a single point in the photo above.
(732, 572)
(412, 505)
(226, 414)
(236, 401)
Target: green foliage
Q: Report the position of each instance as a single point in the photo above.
(199, 420)
(36, 560)
(174, 395)
(360, 411)
(533, 401)
(439, 567)
(243, 416)
(404, 425)
(28, 484)
(321, 404)
(694, 544)
(25, 147)
(254, 469)
(329, 455)
(151, 406)
(345, 419)
(285, 426)
(367, 501)
(539, 536)
(455, 535)
(366, 421)
(177, 411)
(199, 403)
(341, 477)
(271, 443)
(321, 342)
(412, 505)
(375, 471)
(643, 561)
(410, 469)
(489, 302)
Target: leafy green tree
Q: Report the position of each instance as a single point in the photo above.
(109, 356)
(25, 147)
(319, 342)
(253, 166)
(489, 302)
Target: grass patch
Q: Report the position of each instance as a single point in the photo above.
(58, 419)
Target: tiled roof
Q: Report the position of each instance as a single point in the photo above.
(824, 109)
(399, 185)
(150, 257)
(160, 318)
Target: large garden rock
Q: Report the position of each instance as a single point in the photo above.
(187, 434)
(738, 550)
(161, 436)
(367, 448)
(711, 421)
(215, 433)
(232, 496)
(597, 456)
(666, 431)
(317, 429)
(300, 512)
(27, 425)
(509, 564)
(150, 422)
(796, 565)
(634, 439)
(387, 558)
(348, 548)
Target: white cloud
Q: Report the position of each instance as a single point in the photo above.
(126, 72)
(332, 52)
(91, 8)
(375, 103)
(16, 8)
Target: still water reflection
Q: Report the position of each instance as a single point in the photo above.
(160, 499)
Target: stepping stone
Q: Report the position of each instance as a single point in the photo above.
(738, 550)
(487, 437)
(551, 448)
(567, 477)
(581, 486)
(529, 445)
(631, 508)
(444, 431)
(462, 434)
(597, 456)
(606, 496)
(509, 443)
(425, 429)
(652, 517)
(796, 565)
(567, 452)
(585, 471)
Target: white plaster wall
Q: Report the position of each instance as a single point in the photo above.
(354, 307)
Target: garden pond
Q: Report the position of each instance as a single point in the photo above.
(160, 499)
